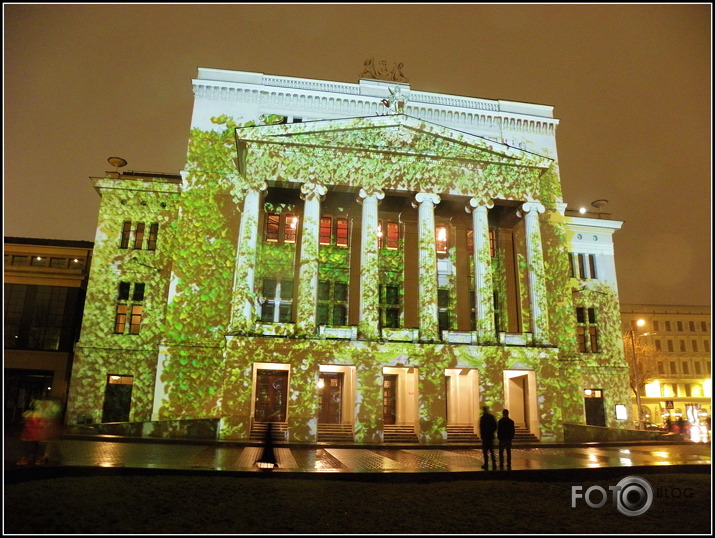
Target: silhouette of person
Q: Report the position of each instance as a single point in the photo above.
(487, 429)
(33, 433)
(505, 433)
(268, 457)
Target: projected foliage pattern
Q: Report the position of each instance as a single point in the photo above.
(207, 337)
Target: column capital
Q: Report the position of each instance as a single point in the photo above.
(366, 192)
(526, 207)
(476, 202)
(312, 190)
(422, 197)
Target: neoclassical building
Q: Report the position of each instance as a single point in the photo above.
(365, 261)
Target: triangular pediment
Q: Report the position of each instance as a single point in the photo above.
(396, 134)
(396, 152)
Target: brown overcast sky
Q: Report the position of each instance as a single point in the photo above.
(630, 84)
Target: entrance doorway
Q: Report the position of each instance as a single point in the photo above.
(518, 399)
(271, 395)
(593, 405)
(117, 398)
(389, 399)
(330, 397)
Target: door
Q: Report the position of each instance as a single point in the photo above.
(330, 394)
(117, 398)
(595, 414)
(518, 392)
(271, 395)
(389, 399)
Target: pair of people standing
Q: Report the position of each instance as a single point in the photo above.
(504, 429)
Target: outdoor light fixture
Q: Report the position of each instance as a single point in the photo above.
(636, 373)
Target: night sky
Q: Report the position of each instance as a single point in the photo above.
(630, 84)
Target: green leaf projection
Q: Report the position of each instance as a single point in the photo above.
(229, 310)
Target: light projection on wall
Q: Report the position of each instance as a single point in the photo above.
(292, 255)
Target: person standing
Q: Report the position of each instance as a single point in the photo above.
(505, 433)
(487, 429)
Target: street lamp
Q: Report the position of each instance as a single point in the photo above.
(636, 373)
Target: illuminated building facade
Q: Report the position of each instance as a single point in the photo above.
(358, 260)
(678, 380)
(44, 289)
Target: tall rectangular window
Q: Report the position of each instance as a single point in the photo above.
(587, 334)
(680, 326)
(388, 235)
(126, 234)
(277, 301)
(706, 345)
(656, 325)
(658, 345)
(572, 272)
(153, 235)
(389, 306)
(326, 225)
(332, 306)
(342, 232)
(704, 326)
(272, 226)
(581, 266)
(667, 325)
(685, 367)
(139, 235)
(691, 326)
(129, 312)
(695, 345)
(290, 230)
(441, 239)
(592, 265)
(698, 368)
(682, 345)
(670, 346)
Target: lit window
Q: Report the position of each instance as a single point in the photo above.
(342, 232)
(393, 236)
(291, 229)
(272, 224)
(441, 240)
(326, 224)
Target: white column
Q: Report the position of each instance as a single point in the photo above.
(535, 263)
(427, 285)
(369, 320)
(243, 303)
(311, 193)
(483, 286)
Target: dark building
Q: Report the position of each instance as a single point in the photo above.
(44, 290)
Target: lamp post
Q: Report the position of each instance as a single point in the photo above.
(636, 373)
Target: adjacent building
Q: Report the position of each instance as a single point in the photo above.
(678, 378)
(363, 258)
(44, 290)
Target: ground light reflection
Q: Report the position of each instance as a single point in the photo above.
(592, 457)
(625, 458)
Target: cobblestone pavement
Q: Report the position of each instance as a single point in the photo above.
(220, 457)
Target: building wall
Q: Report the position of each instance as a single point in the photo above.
(498, 308)
(679, 337)
(44, 290)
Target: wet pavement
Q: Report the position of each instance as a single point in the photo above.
(194, 456)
